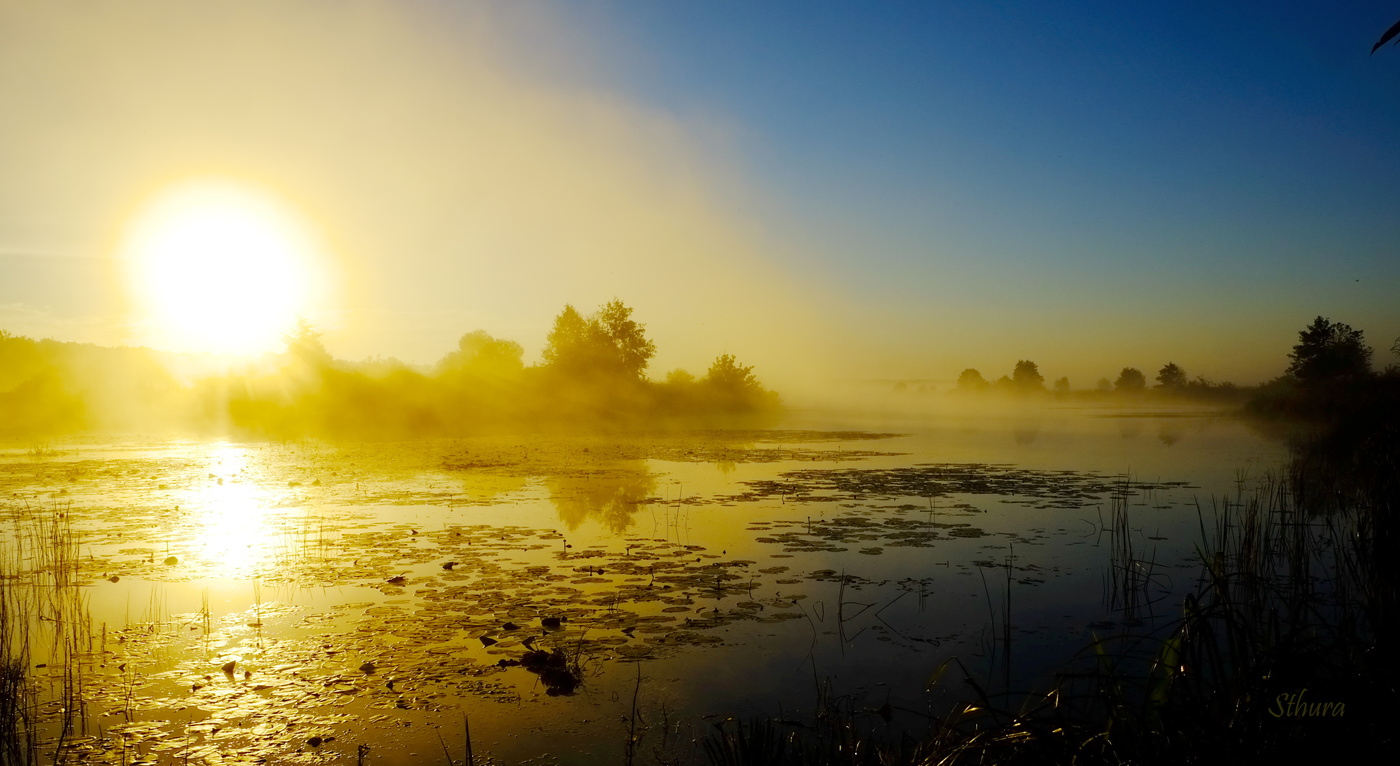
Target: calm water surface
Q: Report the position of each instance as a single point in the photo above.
(373, 594)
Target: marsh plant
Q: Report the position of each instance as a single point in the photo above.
(17, 735)
(45, 636)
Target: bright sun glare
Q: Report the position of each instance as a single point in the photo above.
(219, 266)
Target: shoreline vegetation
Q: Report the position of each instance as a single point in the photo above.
(592, 376)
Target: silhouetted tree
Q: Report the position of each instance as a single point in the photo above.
(626, 339)
(728, 375)
(1328, 351)
(1130, 380)
(608, 344)
(304, 342)
(1027, 377)
(731, 388)
(1171, 377)
(679, 377)
(972, 380)
(1062, 386)
(567, 347)
(478, 352)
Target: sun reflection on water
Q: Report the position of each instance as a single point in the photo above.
(232, 525)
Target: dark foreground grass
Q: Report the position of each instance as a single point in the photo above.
(43, 615)
(16, 698)
(1285, 650)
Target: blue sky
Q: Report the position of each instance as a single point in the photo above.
(1122, 122)
(900, 189)
(1164, 155)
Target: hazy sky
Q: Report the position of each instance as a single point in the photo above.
(859, 189)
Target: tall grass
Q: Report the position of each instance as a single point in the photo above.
(44, 625)
(18, 739)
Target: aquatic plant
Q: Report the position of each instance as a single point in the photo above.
(18, 745)
(43, 616)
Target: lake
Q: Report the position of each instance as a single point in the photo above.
(294, 602)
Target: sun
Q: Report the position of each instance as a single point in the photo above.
(221, 266)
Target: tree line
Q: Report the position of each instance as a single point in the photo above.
(592, 374)
(1026, 380)
(1330, 362)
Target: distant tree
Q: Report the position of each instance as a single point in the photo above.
(731, 388)
(608, 344)
(1103, 385)
(679, 377)
(568, 345)
(1062, 386)
(626, 340)
(479, 353)
(1329, 351)
(1130, 380)
(1027, 377)
(728, 375)
(303, 342)
(1171, 377)
(972, 380)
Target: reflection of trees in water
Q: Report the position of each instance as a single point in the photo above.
(490, 487)
(1170, 433)
(608, 495)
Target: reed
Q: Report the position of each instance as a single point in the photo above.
(18, 738)
(44, 623)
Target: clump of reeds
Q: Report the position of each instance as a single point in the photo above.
(1131, 576)
(43, 616)
(18, 739)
